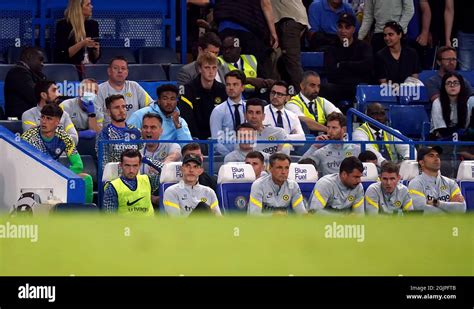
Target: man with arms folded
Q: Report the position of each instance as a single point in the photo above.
(275, 193)
(340, 193)
(328, 158)
(432, 192)
(188, 195)
(388, 196)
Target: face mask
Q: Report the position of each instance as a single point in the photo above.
(88, 96)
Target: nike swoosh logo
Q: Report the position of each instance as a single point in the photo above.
(135, 201)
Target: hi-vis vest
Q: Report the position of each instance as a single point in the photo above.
(249, 67)
(134, 203)
(386, 137)
(319, 107)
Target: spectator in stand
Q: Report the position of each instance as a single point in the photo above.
(348, 63)
(83, 111)
(451, 112)
(465, 34)
(442, 17)
(77, 35)
(291, 21)
(323, 17)
(20, 82)
(418, 33)
(447, 61)
(252, 22)
(135, 96)
(383, 11)
(201, 96)
(395, 63)
(210, 43)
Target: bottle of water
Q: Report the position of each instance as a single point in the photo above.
(86, 56)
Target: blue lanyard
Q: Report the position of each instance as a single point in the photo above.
(287, 119)
(232, 114)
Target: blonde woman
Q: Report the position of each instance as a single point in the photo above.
(77, 35)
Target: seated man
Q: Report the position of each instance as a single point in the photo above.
(276, 115)
(446, 58)
(368, 132)
(54, 141)
(174, 127)
(226, 117)
(87, 119)
(388, 196)
(348, 62)
(130, 194)
(162, 152)
(432, 192)
(323, 16)
(204, 179)
(254, 114)
(328, 158)
(340, 193)
(118, 129)
(201, 95)
(257, 160)
(210, 43)
(246, 136)
(135, 96)
(183, 198)
(275, 193)
(46, 92)
(309, 106)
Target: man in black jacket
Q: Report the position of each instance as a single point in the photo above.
(348, 63)
(21, 80)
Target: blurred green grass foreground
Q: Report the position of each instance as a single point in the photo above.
(97, 245)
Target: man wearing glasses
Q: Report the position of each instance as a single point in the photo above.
(446, 58)
(277, 116)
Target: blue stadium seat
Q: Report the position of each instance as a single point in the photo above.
(12, 125)
(370, 175)
(2, 96)
(13, 55)
(469, 75)
(146, 72)
(170, 174)
(107, 53)
(465, 178)
(96, 71)
(233, 187)
(312, 61)
(159, 55)
(306, 176)
(17, 23)
(426, 74)
(86, 147)
(4, 68)
(75, 207)
(366, 94)
(61, 72)
(90, 166)
(173, 71)
(150, 87)
(411, 120)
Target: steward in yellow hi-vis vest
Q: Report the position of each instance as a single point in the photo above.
(137, 202)
(317, 116)
(248, 65)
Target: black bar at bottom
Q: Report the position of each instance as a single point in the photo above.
(413, 291)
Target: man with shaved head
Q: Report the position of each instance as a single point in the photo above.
(369, 132)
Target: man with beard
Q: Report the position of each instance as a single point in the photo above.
(308, 106)
(174, 127)
(20, 82)
(328, 158)
(447, 60)
(46, 92)
(340, 193)
(368, 132)
(432, 192)
(388, 196)
(118, 129)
